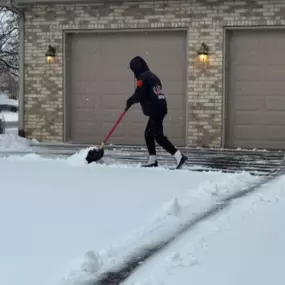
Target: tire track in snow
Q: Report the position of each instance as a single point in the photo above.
(120, 275)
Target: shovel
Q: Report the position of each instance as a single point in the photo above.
(96, 154)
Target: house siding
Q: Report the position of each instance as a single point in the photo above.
(204, 20)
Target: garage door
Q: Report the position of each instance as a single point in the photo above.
(255, 91)
(100, 81)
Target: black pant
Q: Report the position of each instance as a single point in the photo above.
(154, 132)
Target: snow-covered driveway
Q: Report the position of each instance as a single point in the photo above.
(65, 222)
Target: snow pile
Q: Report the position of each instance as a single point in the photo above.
(12, 142)
(244, 244)
(174, 217)
(79, 157)
(76, 160)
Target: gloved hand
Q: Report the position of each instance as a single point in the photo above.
(129, 103)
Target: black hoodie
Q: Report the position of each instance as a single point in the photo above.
(148, 91)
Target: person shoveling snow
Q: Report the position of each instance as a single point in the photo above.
(153, 102)
(154, 105)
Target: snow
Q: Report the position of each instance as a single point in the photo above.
(5, 100)
(243, 245)
(64, 222)
(55, 211)
(12, 142)
(13, 131)
(10, 116)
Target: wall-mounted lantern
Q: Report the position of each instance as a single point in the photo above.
(203, 53)
(50, 55)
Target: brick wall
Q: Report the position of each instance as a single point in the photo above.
(204, 20)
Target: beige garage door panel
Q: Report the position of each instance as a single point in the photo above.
(256, 89)
(270, 119)
(101, 81)
(275, 103)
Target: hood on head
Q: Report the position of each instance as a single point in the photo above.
(138, 66)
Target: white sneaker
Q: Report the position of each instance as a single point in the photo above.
(152, 162)
(180, 159)
(178, 156)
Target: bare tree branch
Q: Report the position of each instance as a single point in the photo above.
(9, 42)
(8, 65)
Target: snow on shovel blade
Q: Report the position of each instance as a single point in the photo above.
(94, 155)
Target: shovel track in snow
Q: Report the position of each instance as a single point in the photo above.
(116, 277)
(120, 275)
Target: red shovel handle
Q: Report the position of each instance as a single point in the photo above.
(115, 125)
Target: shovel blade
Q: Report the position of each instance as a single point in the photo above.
(94, 155)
